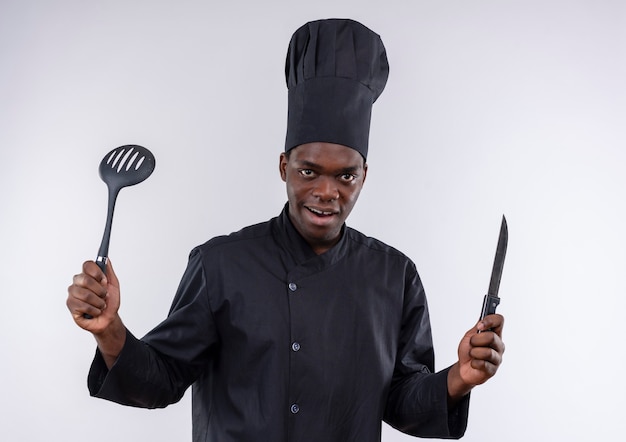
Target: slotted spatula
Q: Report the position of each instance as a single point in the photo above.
(124, 166)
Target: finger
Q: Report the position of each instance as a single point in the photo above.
(81, 297)
(493, 323)
(488, 368)
(485, 360)
(82, 312)
(83, 281)
(92, 269)
(486, 354)
(488, 339)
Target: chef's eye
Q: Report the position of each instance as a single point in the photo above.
(347, 177)
(306, 172)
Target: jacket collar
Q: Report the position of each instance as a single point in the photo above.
(301, 252)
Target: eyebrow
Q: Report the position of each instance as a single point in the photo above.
(311, 165)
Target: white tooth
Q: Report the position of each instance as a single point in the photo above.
(319, 212)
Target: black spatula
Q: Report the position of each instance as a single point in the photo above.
(123, 166)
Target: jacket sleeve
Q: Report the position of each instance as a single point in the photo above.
(418, 398)
(157, 370)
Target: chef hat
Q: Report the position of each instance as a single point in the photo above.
(335, 71)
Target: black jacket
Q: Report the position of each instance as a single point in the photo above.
(281, 344)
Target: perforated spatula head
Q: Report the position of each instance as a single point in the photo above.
(126, 166)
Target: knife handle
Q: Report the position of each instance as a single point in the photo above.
(489, 305)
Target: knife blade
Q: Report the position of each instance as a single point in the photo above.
(491, 299)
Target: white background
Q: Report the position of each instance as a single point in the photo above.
(492, 107)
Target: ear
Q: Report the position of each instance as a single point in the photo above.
(364, 173)
(282, 166)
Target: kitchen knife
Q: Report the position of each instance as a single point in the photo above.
(491, 299)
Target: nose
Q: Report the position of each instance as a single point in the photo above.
(326, 189)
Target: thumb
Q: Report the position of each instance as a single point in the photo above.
(110, 276)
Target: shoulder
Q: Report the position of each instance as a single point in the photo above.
(381, 263)
(375, 249)
(252, 236)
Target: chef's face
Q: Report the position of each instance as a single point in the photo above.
(323, 183)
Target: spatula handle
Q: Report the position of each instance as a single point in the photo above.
(102, 263)
(102, 258)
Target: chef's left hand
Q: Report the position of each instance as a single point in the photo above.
(480, 354)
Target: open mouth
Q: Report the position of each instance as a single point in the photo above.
(322, 213)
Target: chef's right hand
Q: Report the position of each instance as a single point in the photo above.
(93, 298)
